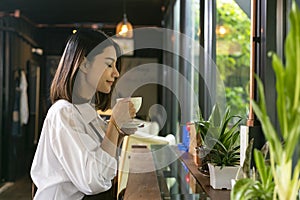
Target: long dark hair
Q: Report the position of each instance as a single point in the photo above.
(79, 45)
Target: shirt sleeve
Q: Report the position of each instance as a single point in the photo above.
(88, 166)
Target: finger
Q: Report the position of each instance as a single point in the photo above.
(131, 105)
(126, 99)
(133, 110)
(132, 114)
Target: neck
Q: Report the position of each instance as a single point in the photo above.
(81, 90)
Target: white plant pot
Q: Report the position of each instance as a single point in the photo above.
(221, 178)
(233, 181)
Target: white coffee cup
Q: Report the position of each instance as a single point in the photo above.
(137, 102)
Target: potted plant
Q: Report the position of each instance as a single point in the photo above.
(259, 185)
(202, 150)
(223, 141)
(198, 131)
(283, 143)
(258, 182)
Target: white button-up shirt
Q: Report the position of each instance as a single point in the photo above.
(69, 161)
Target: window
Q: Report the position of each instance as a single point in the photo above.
(219, 53)
(233, 53)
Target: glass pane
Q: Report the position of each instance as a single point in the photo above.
(176, 67)
(174, 178)
(196, 47)
(192, 31)
(233, 53)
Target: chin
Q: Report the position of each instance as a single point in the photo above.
(106, 91)
(105, 88)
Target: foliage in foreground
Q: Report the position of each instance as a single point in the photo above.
(282, 145)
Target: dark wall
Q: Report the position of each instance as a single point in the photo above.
(53, 40)
(17, 146)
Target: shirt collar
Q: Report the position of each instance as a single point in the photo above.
(87, 112)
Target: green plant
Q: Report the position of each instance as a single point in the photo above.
(283, 144)
(286, 179)
(223, 139)
(202, 126)
(258, 187)
(246, 168)
(255, 185)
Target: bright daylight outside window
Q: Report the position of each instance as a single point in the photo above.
(193, 31)
(233, 54)
(196, 48)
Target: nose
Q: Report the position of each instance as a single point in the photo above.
(116, 72)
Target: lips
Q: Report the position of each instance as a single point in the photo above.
(110, 82)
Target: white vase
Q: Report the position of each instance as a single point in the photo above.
(220, 178)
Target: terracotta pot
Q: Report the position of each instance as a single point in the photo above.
(203, 154)
(197, 160)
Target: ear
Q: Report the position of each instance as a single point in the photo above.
(84, 65)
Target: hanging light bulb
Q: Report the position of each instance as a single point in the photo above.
(124, 28)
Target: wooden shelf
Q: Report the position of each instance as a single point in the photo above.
(203, 180)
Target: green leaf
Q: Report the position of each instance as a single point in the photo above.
(242, 189)
(280, 83)
(247, 161)
(260, 164)
(268, 129)
(292, 49)
(282, 147)
(215, 116)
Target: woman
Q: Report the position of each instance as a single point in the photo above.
(76, 152)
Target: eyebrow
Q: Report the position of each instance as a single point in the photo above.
(109, 58)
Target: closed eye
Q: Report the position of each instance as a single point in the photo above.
(109, 65)
(110, 61)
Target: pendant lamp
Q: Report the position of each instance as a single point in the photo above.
(124, 28)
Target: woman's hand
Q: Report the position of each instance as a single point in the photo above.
(123, 112)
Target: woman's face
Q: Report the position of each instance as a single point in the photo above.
(102, 70)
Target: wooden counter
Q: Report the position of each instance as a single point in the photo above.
(143, 183)
(142, 179)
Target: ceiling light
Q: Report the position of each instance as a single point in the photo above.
(124, 28)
